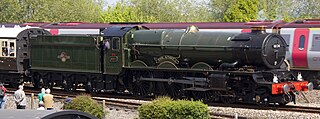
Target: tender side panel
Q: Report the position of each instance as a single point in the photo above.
(72, 53)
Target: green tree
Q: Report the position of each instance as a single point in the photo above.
(10, 10)
(242, 11)
(68, 10)
(192, 11)
(268, 9)
(307, 9)
(50, 10)
(218, 9)
(287, 13)
(156, 11)
(161, 10)
(123, 12)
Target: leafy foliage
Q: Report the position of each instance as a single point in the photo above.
(242, 11)
(165, 108)
(219, 8)
(122, 12)
(157, 11)
(84, 103)
(19, 11)
(10, 11)
(49, 11)
(268, 9)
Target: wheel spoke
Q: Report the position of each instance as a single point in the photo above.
(202, 95)
(141, 88)
(174, 90)
(160, 89)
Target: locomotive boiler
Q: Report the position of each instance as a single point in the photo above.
(216, 49)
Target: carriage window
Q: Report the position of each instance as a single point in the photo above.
(286, 37)
(315, 43)
(4, 48)
(301, 42)
(11, 49)
(115, 43)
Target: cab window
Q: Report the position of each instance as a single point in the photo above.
(115, 43)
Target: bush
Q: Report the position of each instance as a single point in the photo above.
(166, 108)
(84, 103)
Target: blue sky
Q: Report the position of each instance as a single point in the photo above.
(111, 2)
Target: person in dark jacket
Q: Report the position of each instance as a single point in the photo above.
(3, 96)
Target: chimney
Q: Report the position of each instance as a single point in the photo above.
(258, 29)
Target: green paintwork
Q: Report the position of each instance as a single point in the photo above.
(113, 57)
(138, 63)
(82, 53)
(122, 54)
(204, 46)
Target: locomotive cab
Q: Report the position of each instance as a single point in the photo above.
(116, 49)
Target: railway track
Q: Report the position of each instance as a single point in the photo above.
(288, 108)
(224, 116)
(304, 109)
(110, 101)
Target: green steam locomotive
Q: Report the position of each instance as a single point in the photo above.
(212, 66)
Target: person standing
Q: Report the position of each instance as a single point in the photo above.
(3, 96)
(40, 95)
(20, 98)
(48, 100)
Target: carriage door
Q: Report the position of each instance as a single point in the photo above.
(113, 56)
(300, 47)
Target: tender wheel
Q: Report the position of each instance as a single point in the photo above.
(38, 82)
(68, 86)
(47, 83)
(14, 85)
(89, 87)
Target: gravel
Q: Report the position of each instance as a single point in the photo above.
(258, 114)
(312, 96)
(114, 113)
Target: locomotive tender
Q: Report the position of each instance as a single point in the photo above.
(231, 67)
